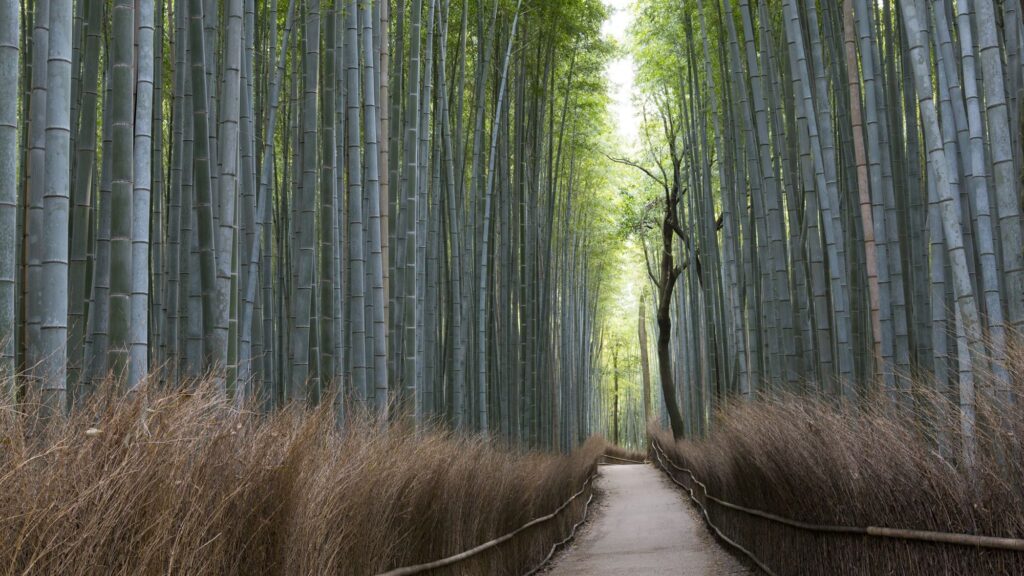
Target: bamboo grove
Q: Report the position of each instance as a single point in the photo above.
(384, 203)
(849, 195)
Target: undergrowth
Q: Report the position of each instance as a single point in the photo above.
(622, 455)
(183, 483)
(864, 465)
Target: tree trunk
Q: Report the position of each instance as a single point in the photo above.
(122, 113)
(666, 285)
(10, 28)
(615, 395)
(645, 364)
(142, 173)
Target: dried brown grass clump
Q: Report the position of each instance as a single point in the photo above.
(864, 466)
(620, 455)
(178, 483)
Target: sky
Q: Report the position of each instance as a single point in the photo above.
(626, 119)
(621, 74)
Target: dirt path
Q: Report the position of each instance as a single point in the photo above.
(644, 527)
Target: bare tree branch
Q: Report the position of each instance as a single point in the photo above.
(647, 260)
(627, 162)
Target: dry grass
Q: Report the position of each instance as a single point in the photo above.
(184, 484)
(864, 466)
(619, 452)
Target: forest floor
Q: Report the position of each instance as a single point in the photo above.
(643, 525)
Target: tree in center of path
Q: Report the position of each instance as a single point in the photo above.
(664, 271)
(661, 215)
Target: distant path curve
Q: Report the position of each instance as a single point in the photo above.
(644, 527)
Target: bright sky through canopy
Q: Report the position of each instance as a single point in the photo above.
(625, 117)
(621, 74)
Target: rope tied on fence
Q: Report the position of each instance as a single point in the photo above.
(707, 518)
(988, 542)
(557, 545)
(462, 556)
